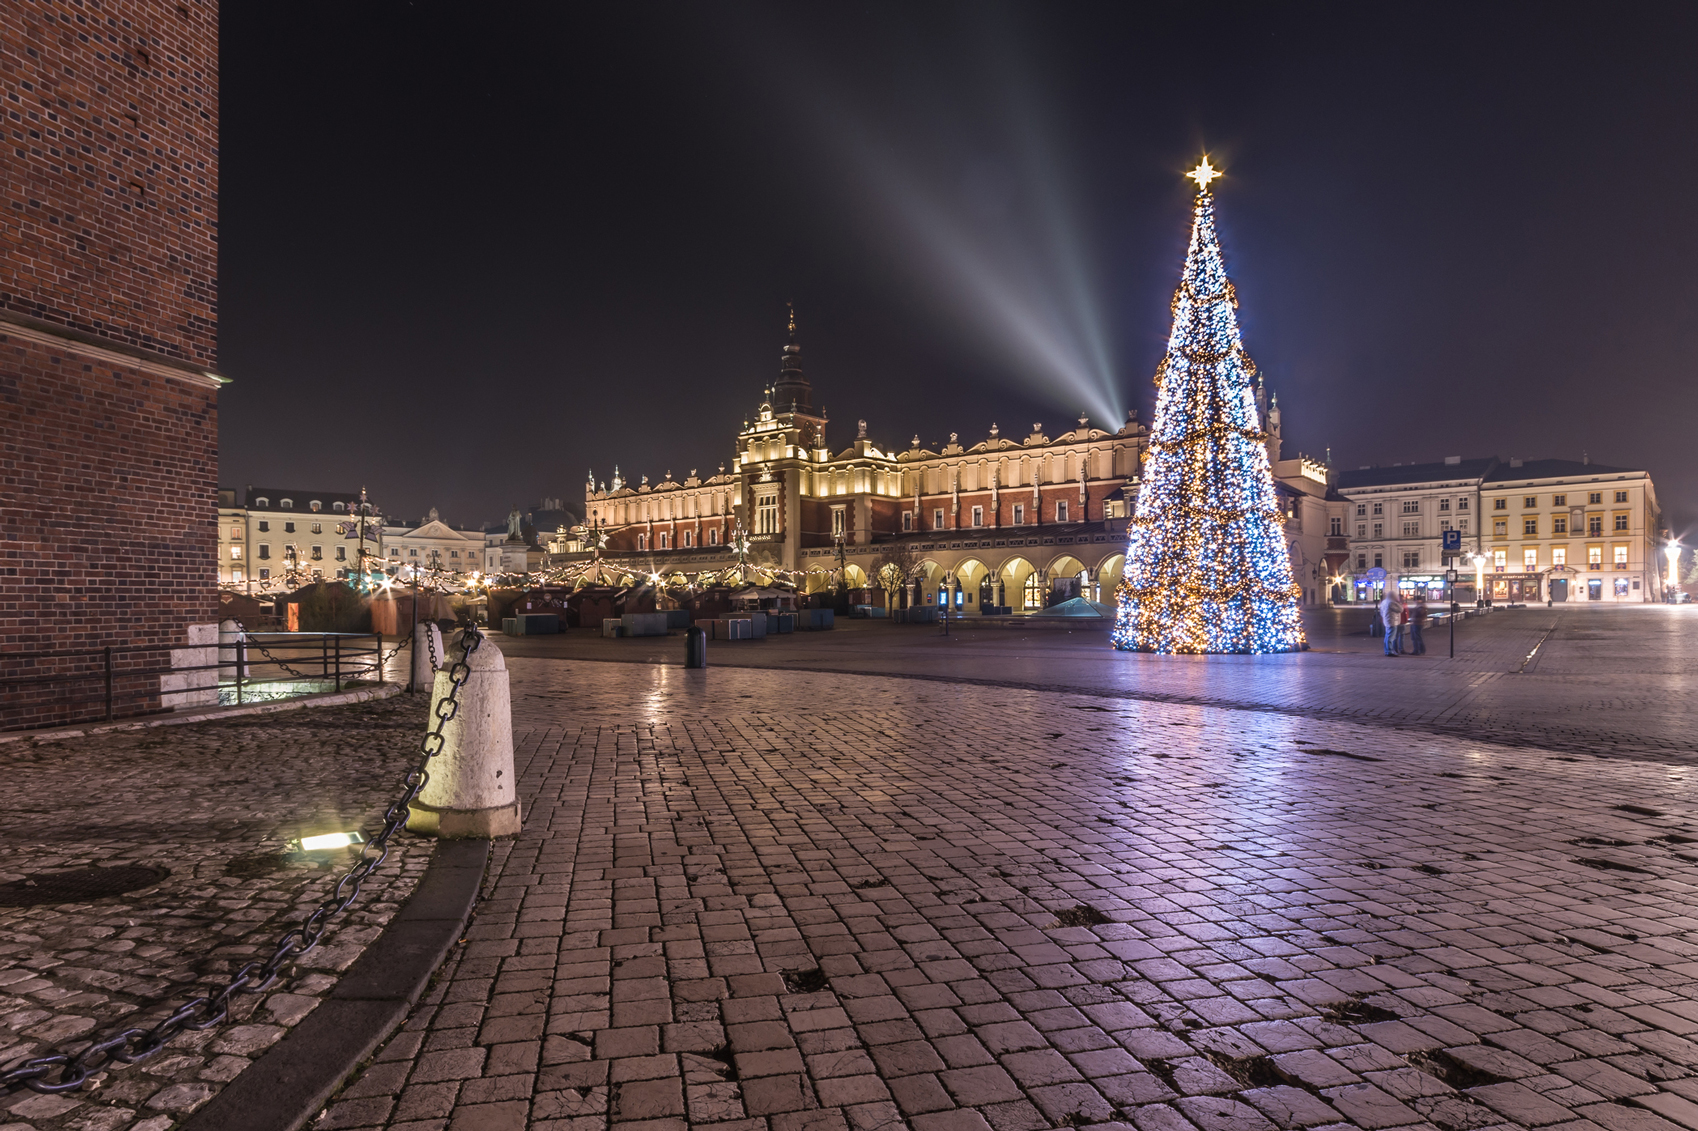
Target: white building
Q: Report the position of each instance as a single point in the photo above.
(432, 545)
(273, 533)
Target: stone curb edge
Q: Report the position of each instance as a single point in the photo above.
(208, 715)
(290, 1083)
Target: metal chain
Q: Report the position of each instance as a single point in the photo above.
(207, 1012)
(247, 638)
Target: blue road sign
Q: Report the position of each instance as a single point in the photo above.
(1452, 540)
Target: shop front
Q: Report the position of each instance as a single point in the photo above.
(1428, 586)
(1514, 588)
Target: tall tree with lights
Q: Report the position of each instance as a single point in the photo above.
(1206, 564)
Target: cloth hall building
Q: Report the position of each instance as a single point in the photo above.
(1015, 522)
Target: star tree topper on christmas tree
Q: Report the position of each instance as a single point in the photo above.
(1206, 563)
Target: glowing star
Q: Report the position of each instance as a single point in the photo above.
(1203, 174)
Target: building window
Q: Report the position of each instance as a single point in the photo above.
(766, 513)
(1061, 510)
(1412, 506)
(1500, 527)
(665, 541)
(287, 504)
(1528, 502)
(1621, 522)
(1529, 527)
(264, 551)
(451, 553)
(1559, 524)
(978, 516)
(337, 507)
(1500, 558)
(1594, 557)
(413, 553)
(318, 553)
(1444, 524)
(235, 553)
(1444, 505)
(1361, 530)
(1034, 591)
(1559, 500)
(1361, 509)
(907, 521)
(1379, 530)
(235, 534)
(394, 553)
(265, 575)
(264, 526)
(318, 528)
(1379, 508)
(1621, 587)
(1379, 560)
(642, 541)
(837, 522)
(1337, 528)
(1462, 525)
(288, 528)
(688, 541)
(1559, 555)
(341, 553)
(315, 506)
(1462, 504)
(1595, 497)
(235, 574)
(1594, 524)
(1412, 530)
(262, 502)
(1621, 557)
(1621, 496)
(1019, 514)
(1500, 504)
(1361, 561)
(937, 519)
(1530, 559)
(713, 536)
(1411, 559)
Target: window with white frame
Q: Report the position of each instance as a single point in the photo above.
(1500, 558)
(1019, 514)
(235, 553)
(689, 539)
(1559, 555)
(907, 520)
(838, 520)
(642, 541)
(1530, 559)
(1621, 557)
(766, 513)
(937, 519)
(1061, 510)
(978, 516)
(713, 536)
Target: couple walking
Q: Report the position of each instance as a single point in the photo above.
(1398, 617)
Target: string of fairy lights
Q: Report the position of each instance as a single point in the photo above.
(1206, 564)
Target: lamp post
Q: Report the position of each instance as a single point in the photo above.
(1478, 560)
(1673, 552)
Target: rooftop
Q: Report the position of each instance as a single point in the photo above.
(1416, 473)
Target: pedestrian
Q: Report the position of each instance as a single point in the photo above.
(1402, 622)
(1417, 618)
(1391, 614)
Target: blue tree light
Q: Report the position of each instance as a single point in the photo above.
(1206, 563)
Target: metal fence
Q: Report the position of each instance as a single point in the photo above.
(92, 684)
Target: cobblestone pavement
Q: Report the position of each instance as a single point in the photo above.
(1604, 680)
(765, 900)
(213, 803)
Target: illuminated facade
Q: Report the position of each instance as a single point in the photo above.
(1005, 522)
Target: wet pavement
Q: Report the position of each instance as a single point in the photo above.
(762, 899)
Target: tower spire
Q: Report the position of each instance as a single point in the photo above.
(792, 392)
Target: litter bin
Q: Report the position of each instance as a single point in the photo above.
(695, 647)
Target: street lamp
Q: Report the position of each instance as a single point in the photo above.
(1478, 560)
(1673, 552)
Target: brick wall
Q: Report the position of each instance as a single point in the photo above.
(108, 331)
(110, 175)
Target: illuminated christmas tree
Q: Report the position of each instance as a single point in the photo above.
(1206, 564)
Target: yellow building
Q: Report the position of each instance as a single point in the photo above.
(1567, 530)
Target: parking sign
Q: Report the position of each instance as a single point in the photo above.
(1452, 540)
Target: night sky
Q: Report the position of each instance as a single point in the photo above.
(470, 252)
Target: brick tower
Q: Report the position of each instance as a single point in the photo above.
(108, 345)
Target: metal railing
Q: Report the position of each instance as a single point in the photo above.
(81, 685)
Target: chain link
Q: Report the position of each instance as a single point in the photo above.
(206, 1012)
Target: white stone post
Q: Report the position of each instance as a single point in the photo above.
(426, 636)
(471, 791)
(232, 651)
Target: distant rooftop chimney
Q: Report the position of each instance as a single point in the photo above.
(1450, 460)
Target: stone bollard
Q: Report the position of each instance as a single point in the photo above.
(426, 636)
(471, 791)
(232, 652)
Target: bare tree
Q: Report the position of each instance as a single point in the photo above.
(895, 566)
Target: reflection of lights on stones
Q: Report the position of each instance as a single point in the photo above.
(329, 841)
